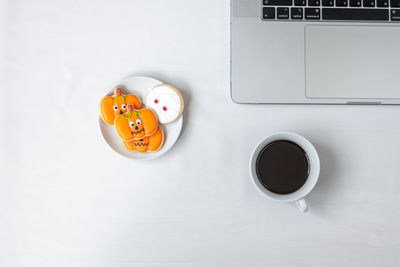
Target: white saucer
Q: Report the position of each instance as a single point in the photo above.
(139, 86)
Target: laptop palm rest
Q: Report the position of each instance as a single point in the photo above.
(354, 62)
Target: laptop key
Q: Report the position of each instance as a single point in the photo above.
(355, 3)
(382, 3)
(299, 2)
(277, 2)
(369, 3)
(297, 13)
(355, 14)
(395, 14)
(314, 2)
(313, 13)
(282, 13)
(328, 2)
(341, 3)
(395, 3)
(269, 13)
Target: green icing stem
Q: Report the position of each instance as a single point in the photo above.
(116, 98)
(128, 115)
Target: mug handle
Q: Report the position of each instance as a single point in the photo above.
(302, 205)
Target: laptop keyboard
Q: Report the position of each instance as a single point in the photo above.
(331, 10)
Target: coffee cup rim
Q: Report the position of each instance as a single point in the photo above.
(314, 165)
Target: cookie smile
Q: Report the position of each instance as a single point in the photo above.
(137, 132)
(141, 144)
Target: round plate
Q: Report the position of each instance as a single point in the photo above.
(139, 86)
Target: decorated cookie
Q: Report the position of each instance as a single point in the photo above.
(111, 106)
(151, 143)
(166, 101)
(135, 124)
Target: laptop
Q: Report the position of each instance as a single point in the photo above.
(315, 51)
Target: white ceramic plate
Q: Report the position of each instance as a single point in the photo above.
(139, 86)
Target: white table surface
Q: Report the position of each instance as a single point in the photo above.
(66, 199)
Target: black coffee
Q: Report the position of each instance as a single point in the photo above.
(282, 167)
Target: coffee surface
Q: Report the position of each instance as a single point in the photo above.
(282, 167)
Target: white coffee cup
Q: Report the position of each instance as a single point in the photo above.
(314, 169)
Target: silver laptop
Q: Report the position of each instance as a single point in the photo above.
(315, 51)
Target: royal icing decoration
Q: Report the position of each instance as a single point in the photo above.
(112, 106)
(151, 143)
(166, 101)
(136, 124)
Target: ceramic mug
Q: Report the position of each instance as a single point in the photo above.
(314, 169)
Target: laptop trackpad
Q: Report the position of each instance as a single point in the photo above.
(352, 62)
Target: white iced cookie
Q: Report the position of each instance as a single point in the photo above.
(166, 101)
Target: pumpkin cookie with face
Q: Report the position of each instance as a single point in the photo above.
(111, 106)
(166, 101)
(151, 143)
(136, 124)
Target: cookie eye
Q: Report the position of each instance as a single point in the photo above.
(123, 106)
(131, 124)
(138, 121)
(115, 107)
(156, 101)
(164, 108)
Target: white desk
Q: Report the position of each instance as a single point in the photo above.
(66, 199)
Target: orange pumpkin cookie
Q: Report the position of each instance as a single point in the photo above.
(151, 143)
(111, 106)
(136, 124)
